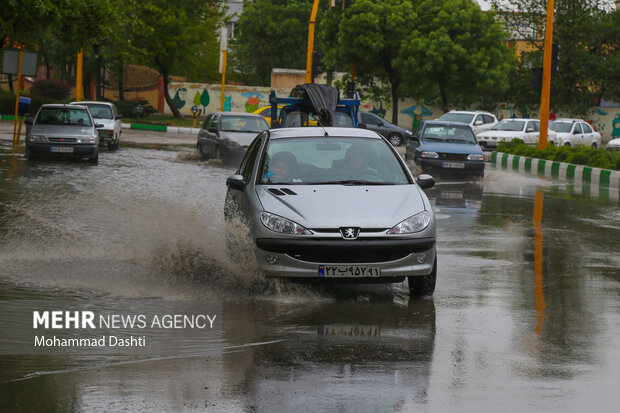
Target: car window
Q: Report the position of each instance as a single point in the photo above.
(233, 123)
(560, 127)
(266, 112)
(586, 128)
(100, 111)
(457, 117)
(488, 119)
(366, 118)
(249, 160)
(479, 118)
(337, 160)
(536, 125)
(509, 125)
(531, 127)
(342, 119)
(577, 129)
(63, 116)
(448, 133)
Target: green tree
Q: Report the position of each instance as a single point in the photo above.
(456, 54)
(268, 34)
(173, 36)
(370, 34)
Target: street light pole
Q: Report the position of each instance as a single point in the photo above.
(546, 84)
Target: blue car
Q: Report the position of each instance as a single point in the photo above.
(442, 147)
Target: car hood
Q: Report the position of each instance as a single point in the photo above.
(450, 147)
(61, 130)
(334, 206)
(242, 138)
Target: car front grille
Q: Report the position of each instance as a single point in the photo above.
(452, 156)
(62, 140)
(344, 251)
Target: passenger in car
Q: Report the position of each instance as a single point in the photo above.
(355, 163)
(281, 167)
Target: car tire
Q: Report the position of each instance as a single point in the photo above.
(566, 144)
(395, 139)
(423, 285)
(594, 145)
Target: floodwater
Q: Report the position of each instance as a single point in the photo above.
(525, 317)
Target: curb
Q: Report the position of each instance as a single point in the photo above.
(585, 179)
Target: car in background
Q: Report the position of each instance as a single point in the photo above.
(613, 144)
(106, 114)
(478, 120)
(574, 132)
(528, 130)
(62, 131)
(445, 148)
(393, 133)
(333, 204)
(227, 135)
(265, 112)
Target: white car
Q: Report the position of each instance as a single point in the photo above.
(614, 144)
(105, 113)
(508, 129)
(573, 132)
(478, 120)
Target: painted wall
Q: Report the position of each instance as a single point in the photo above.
(248, 99)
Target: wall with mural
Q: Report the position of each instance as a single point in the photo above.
(248, 99)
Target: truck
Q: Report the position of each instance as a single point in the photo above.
(314, 105)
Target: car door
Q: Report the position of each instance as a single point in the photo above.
(587, 134)
(531, 133)
(577, 135)
(478, 124)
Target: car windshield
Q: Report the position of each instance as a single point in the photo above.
(100, 111)
(510, 125)
(333, 160)
(449, 133)
(457, 117)
(560, 127)
(254, 124)
(63, 116)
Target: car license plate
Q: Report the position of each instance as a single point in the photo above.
(344, 271)
(61, 149)
(458, 165)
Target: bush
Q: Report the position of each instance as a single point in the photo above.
(51, 89)
(581, 155)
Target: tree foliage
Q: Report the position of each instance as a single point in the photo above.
(271, 33)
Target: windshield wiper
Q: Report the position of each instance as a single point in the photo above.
(459, 140)
(432, 139)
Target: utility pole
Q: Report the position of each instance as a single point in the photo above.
(546, 83)
(79, 87)
(315, 8)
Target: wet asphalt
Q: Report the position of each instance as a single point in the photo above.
(525, 316)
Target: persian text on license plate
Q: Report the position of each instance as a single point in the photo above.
(338, 271)
(458, 165)
(61, 149)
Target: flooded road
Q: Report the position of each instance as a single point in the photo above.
(525, 316)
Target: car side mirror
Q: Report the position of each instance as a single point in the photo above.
(379, 123)
(99, 125)
(236, 182)
(529, 130)
(28, 121)
(425, 181)
(478, 123)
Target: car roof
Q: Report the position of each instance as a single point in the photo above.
(568, 120)
(62, 105)
(321, 132)
(252, 115)
(91, 102)
(446, 123)
(513, 119)
(472, 112)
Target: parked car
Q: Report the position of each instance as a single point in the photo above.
(528, 130)
(393, 133)
(106, 114)
(446, 147)
(573, 132)
(333, 204)
(227, 135)
(613, 144)
(265, 112)
(478, 120)
(62, 131)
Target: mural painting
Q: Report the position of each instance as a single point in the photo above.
(255, 100)
(179, 97)
(418, 113)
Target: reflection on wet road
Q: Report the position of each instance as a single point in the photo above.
(525, 316)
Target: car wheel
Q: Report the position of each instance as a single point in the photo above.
(423, 285)
(567, 144)
(594, 145)
(395, 139)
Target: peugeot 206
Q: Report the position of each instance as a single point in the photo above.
(333, 204)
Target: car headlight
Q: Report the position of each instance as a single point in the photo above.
(37, 138)
(475, 157)
(415, 223)
(432, 155)
(285, 226)
(85, 139)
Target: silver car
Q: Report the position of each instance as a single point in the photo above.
(227, 135)
(333, 204)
